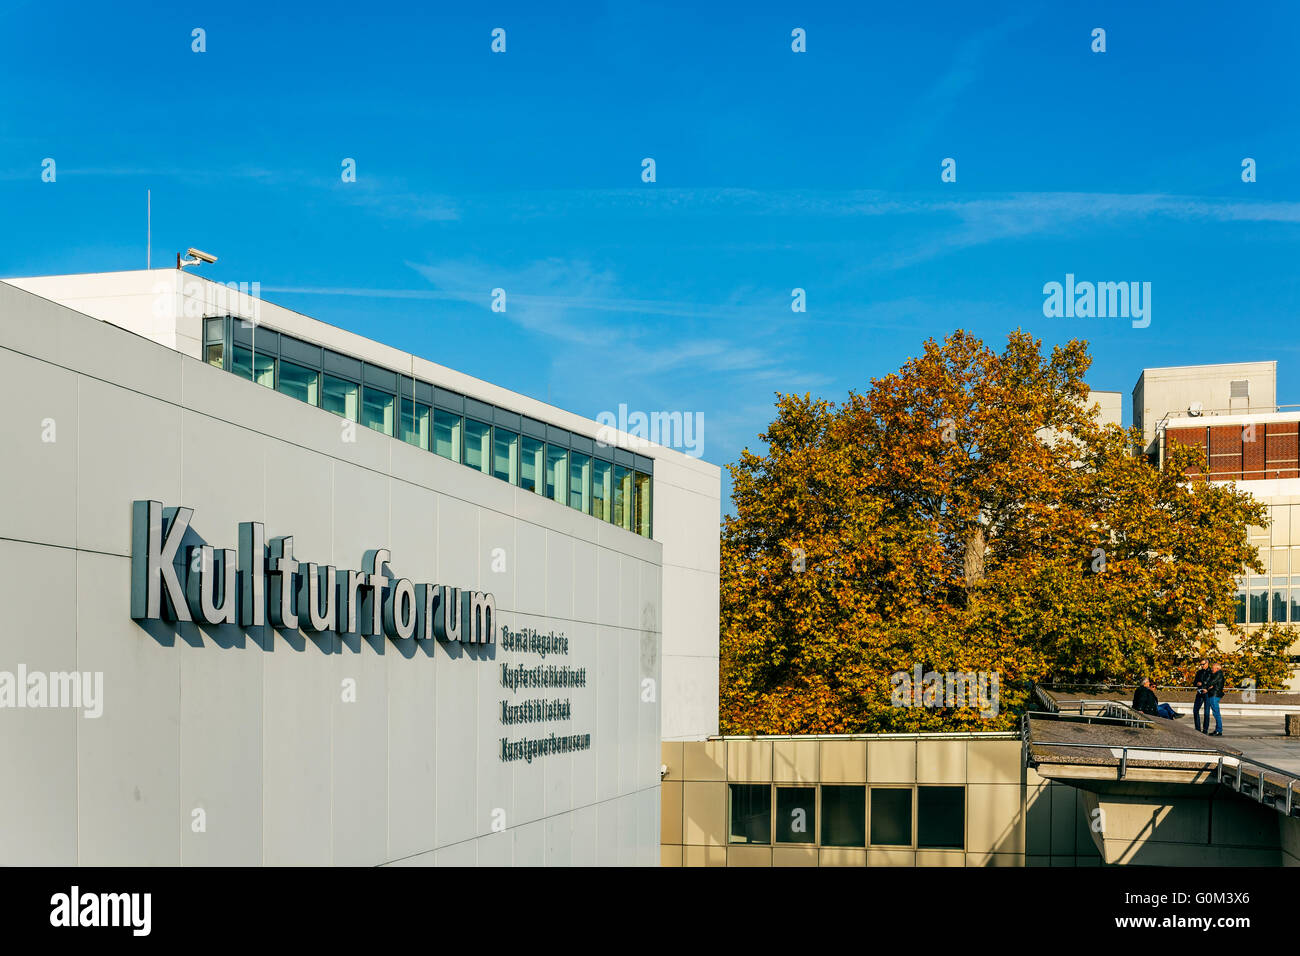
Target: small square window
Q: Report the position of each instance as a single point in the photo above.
(478, 446)
(505, 455)
(941, 817)
(891, 816)
(446, 434)
(377, 409)
(339, 396)
(844, 816)
(796, 809)
(751, 813)
(532, 465)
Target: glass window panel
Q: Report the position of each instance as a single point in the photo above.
(214, 355)
(751, 813)
(257, 366)
(844, 816)
(377, 410)
(602, 489)
(1279, 602)
(641, 520)
(580, 481)
(505, 455)
(891, 816)
(1282, 525)
(557, 474)
(941, 817)
(339, 396)
(446, 434)
(478, 446)
(1295, 601)
(1241, 607)
(299, 382)
(214, 330)
(795, 814)
(532, 465)
(1281, 561)
(415, 424)
(622, 497)
(1258, 606)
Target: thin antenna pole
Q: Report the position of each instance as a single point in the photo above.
(148, 229)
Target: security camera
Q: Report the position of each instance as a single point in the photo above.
(193, 257)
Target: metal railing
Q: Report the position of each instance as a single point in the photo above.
(1288, 787)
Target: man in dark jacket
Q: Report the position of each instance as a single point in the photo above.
(1198, 704)
(1144, 698)
(1213, 691)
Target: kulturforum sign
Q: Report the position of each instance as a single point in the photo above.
(246, 588)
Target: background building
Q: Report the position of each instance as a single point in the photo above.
(1229, 413)
(232, 744)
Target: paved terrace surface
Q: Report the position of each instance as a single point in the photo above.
(1252, 737)
(1105, 739)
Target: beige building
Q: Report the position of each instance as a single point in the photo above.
(960, 799)
(1201, 391)
(1229, 413)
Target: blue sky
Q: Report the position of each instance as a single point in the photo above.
(775, 170)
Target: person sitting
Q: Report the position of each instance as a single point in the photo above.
(1145, 702)
(1144, 698)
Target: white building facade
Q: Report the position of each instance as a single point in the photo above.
(508, 642)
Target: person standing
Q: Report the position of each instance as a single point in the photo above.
(1213, 692)
(1198, 703)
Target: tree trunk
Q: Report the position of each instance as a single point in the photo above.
(974, 557)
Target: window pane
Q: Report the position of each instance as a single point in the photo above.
(300, 383)
(602, 489)
(214, 330)
(478, 446)
(339, 396)
(580, 481)
(505, 455)
(751, 813)
(214, 355)
(557, 474)
(377, 410)
(415, 423)
(795, 810)
(1279, 603)
(1258, 606)
(1241, 607)
(641, 523)
(844, 816)
(446, 434)
(891, 816)
(622, 497)
(532, 466)
(258, 366)
(941, 817)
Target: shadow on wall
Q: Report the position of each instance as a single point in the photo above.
(1182, 825)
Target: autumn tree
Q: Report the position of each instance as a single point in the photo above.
(968, 513)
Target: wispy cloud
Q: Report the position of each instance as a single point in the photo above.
(554, 299)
